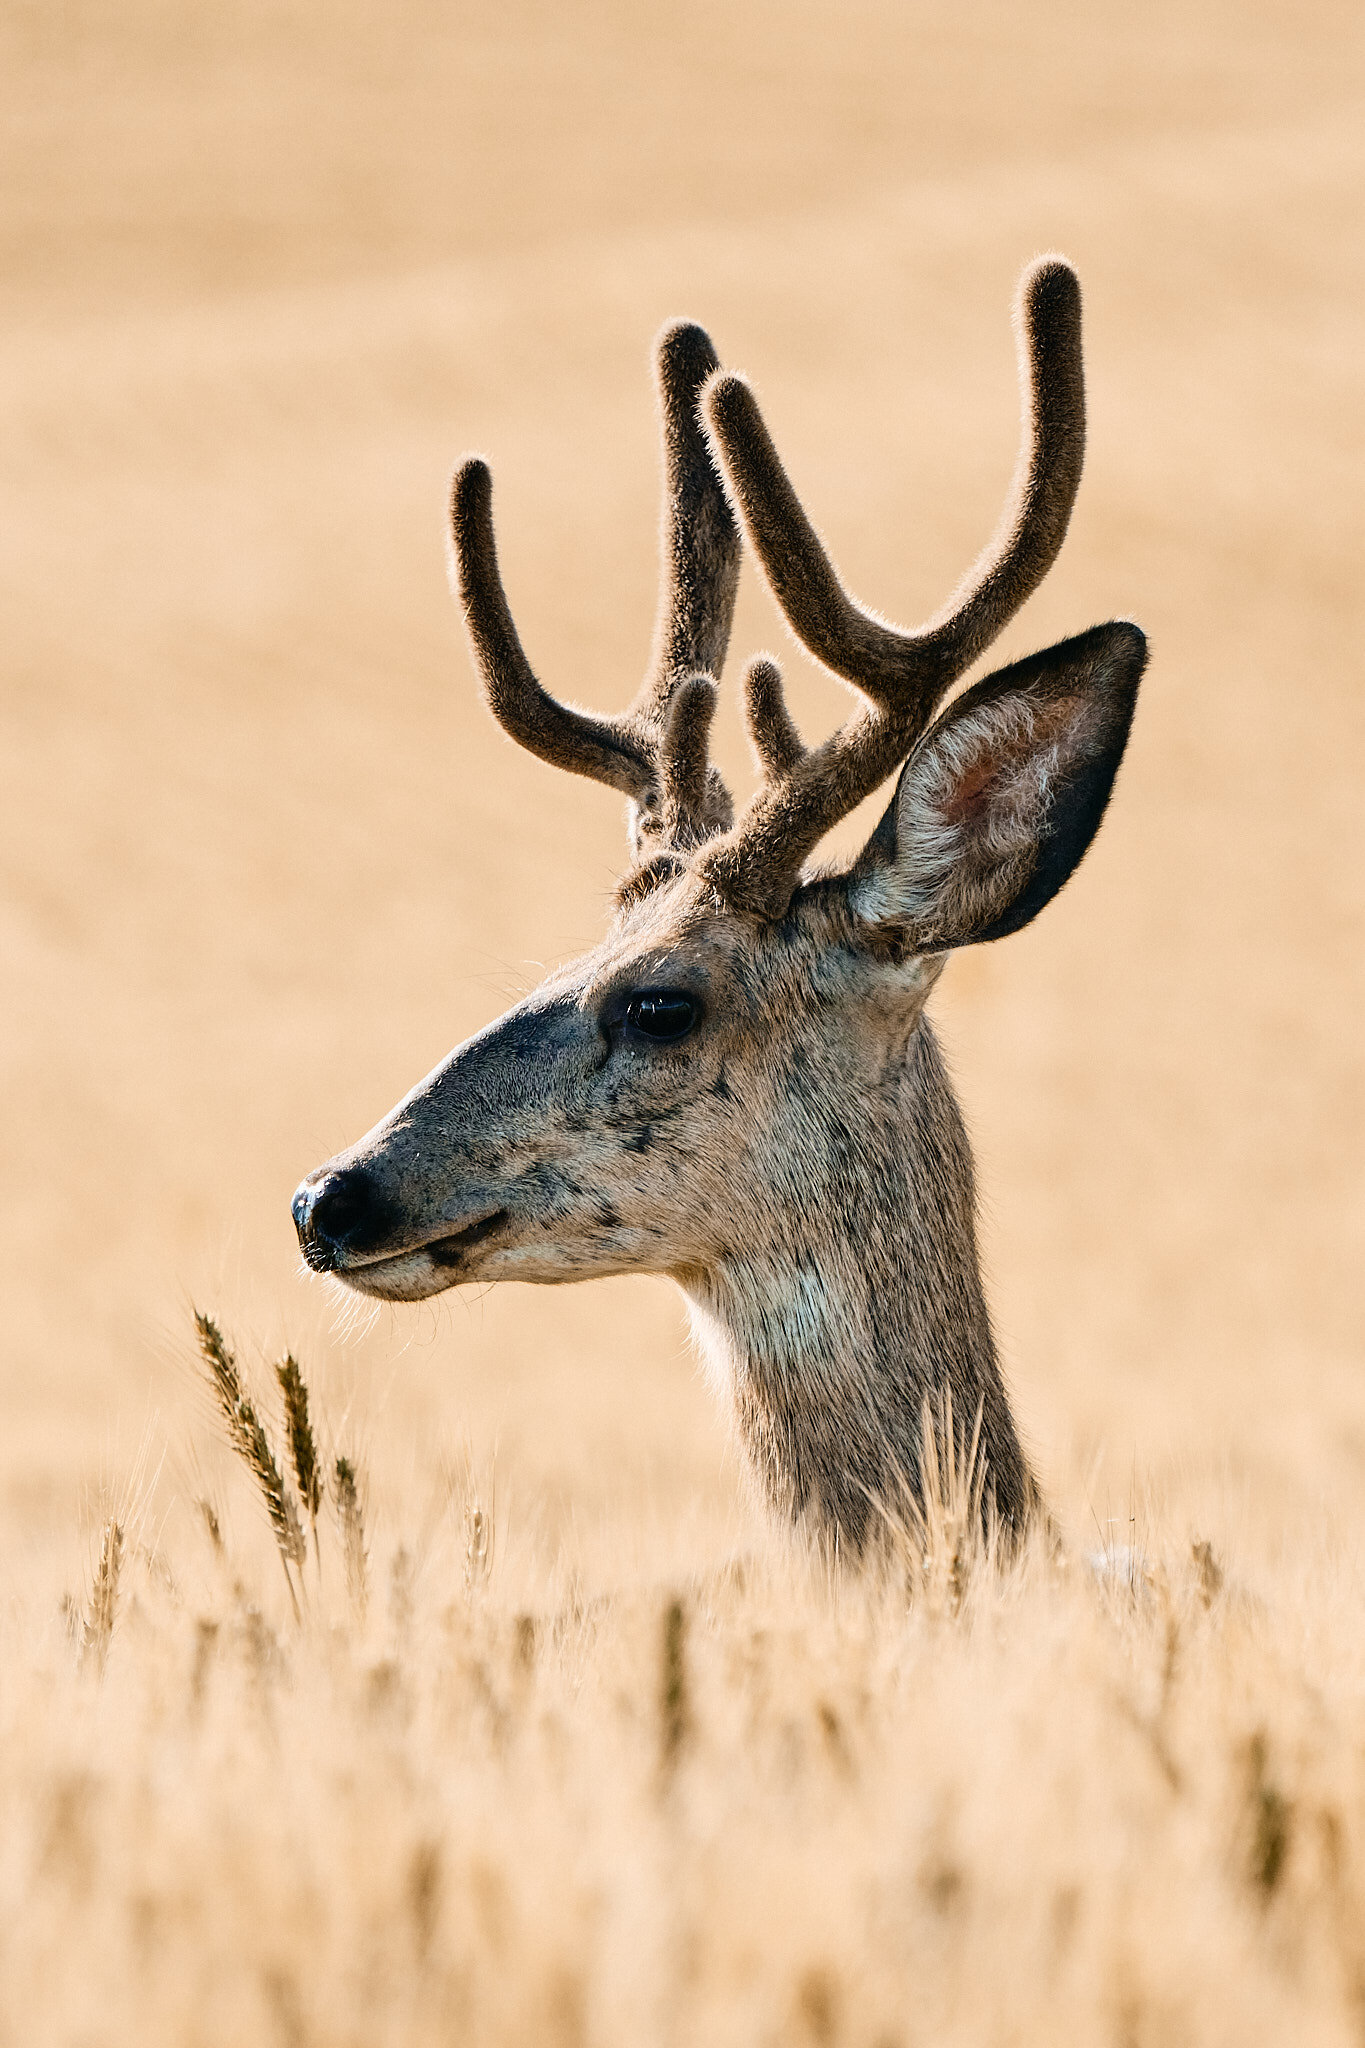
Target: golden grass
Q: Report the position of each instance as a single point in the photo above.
(98, 1629)
(1038, 1799)
(570, 1775)
(248, 1437)
(302, 1449)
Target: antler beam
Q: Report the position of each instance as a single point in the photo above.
(655, 750)
(903, 674)
(603, 748)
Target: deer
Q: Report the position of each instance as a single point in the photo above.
(739, 1087)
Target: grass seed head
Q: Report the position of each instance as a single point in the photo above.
(478, 1547)
(214, 1528)
(674, 1703)
(351, 1516)
(99, 1623)
(302, 1447)
(247, 1435)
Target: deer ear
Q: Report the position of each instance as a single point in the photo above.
(1003, 795)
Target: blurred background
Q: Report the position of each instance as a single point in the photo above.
(269, 269)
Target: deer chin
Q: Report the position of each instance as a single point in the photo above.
(425, 1269)
(409, 1277)
(504, 1245)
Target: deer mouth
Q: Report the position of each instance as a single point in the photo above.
(420, 1269)
(449, 1251)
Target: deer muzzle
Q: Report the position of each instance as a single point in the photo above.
(457, 1168)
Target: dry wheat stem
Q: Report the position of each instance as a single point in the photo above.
(247, 1435)
(302, 1447)
(99, 1626)
(351, 1517)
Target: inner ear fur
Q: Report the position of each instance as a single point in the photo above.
(999, 801)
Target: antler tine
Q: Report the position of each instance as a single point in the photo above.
(883, 661)
(699, 539)
(776, 742)
(597, 747)
(698, 583)
(684, 770)
(903, 674)
(675, 802)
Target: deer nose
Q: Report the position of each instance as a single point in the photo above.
(331, 1213)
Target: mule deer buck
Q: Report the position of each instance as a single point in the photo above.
(739, 1087)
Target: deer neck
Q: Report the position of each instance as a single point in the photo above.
(856, 1294)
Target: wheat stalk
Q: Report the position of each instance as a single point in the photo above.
(352, 1519)
(674, 1702)
(247, 1435)
(479, 1533)
(951, 1525)
(302, 1447)
(99, 1623)
(209, 1515)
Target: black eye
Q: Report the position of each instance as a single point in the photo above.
(662, 1014)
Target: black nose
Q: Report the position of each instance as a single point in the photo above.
(332, 1213)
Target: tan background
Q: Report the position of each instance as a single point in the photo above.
(268, 272)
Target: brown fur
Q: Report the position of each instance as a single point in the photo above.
(793, 1156)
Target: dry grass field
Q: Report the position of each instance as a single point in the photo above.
(562, 1744)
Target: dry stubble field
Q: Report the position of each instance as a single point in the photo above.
(591, 1756)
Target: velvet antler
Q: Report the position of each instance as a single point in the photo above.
(655, 751)
(904, 675)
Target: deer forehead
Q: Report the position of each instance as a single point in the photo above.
(682, 935)
(679, 935)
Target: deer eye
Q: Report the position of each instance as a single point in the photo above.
(663, 1014)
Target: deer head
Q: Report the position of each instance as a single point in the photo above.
(738, 1087)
